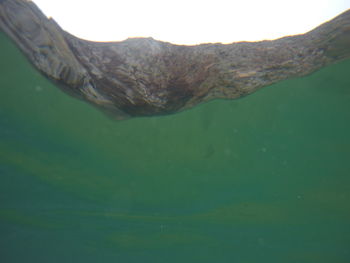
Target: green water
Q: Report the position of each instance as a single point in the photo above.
(261, 179)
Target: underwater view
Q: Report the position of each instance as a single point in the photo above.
(259, 179)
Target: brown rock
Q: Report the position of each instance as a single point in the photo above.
(146, 77)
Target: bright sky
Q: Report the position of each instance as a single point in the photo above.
(190, 21)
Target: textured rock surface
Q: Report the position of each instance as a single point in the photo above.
(145, 77)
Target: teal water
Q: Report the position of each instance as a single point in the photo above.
(261, 179)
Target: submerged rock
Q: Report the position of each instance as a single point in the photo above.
(146, 77)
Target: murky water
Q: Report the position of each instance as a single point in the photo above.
(261, 179)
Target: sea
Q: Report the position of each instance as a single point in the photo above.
(265, 178)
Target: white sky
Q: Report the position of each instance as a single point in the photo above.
(190, 21)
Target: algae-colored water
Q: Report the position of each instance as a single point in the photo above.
(261, 179)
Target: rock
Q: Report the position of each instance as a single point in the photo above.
(145, 77)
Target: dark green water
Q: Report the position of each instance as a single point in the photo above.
(261, 179)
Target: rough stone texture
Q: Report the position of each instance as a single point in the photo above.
(145, 77)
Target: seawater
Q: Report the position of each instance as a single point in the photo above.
(260, 179)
